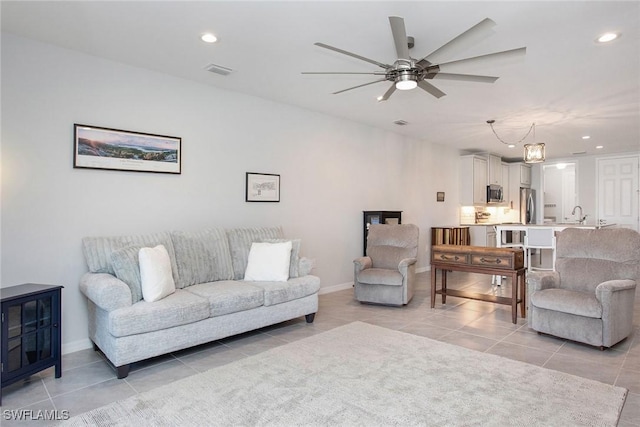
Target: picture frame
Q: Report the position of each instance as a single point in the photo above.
(262, 187)
(122, 150)
(440, 196)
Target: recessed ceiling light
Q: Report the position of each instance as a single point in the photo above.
(380, 98)
(607, 37)
(511, 145)
(586, 137)
(599, 146)
(209, 38)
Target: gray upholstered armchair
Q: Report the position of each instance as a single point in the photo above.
(387, 274)
(590, 296)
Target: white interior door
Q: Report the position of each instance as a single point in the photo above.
(618, 191)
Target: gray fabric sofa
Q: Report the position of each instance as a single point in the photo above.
(211, 300)
(590, 296)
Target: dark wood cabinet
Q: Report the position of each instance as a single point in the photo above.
(379, 217)
(31, 331)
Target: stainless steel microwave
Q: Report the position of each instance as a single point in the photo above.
(494, 193)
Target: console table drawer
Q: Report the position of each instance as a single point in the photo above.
(451, 257)
(505, 262)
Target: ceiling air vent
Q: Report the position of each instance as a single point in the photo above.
(400, 123)
(579, 152)
(218, 69)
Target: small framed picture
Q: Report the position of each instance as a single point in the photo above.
(262, 187)
(440, 196)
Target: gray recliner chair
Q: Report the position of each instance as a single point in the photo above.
(387, 274)
(590, 296)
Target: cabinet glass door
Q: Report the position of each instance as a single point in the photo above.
(30, 333)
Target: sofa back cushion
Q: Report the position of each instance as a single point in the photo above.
(97, 250)
(240, 240)
(202, 256)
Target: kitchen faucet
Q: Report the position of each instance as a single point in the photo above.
(582, 218)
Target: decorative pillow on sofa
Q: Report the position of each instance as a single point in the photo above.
(295, 254)
(155, 273)
(240, 240)
(268, 262)
(127, 268)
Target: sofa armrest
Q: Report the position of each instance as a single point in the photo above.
(404, 265)
(362, 263)
(305, 265)
(105, 291)
(537, 281)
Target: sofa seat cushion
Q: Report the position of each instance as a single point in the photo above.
(566, 301)
(179, 308)
(229, 296)
(279, 292)
(380, 276)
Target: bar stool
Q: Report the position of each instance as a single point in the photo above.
(540, 238)
(497, 280)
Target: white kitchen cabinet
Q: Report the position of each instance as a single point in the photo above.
(483, 235)
(505, 182)
(473, 180)
(519, 175)
(495, 170)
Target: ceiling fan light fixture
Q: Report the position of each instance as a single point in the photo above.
(406, 80)
(607, 37)
(208, 38)
(534, 153)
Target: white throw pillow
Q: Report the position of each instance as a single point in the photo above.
(268, 262)
(155, 273)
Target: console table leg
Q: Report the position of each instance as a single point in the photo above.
(514, 297)
(433, 286)
(444, 286)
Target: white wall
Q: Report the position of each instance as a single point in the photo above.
(331, 170)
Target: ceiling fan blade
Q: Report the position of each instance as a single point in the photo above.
(462, 77)
(431, 89)
(504, 54)
(474, 34)
(356, 87)
(354, 55)
(399, 37)
(380, 73)
(388, 93)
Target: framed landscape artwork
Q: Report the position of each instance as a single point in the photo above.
(104, 148)
(262, 187)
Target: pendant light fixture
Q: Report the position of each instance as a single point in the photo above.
(533, 153)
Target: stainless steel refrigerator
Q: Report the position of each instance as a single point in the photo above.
(527, 206)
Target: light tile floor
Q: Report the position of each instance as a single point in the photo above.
(88, 381)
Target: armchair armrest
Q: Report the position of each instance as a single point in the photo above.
(362, 263)
(616, 298)
(613, 286)
(537, 281)
(404, 265)
(106, 291)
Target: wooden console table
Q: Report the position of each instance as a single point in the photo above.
(479, 259)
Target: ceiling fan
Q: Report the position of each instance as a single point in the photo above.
(407, 72)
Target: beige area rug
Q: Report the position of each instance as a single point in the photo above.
(360, 374)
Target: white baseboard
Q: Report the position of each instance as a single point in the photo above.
(76, 346)
(335, 288)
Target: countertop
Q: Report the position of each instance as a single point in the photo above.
(520, 226)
